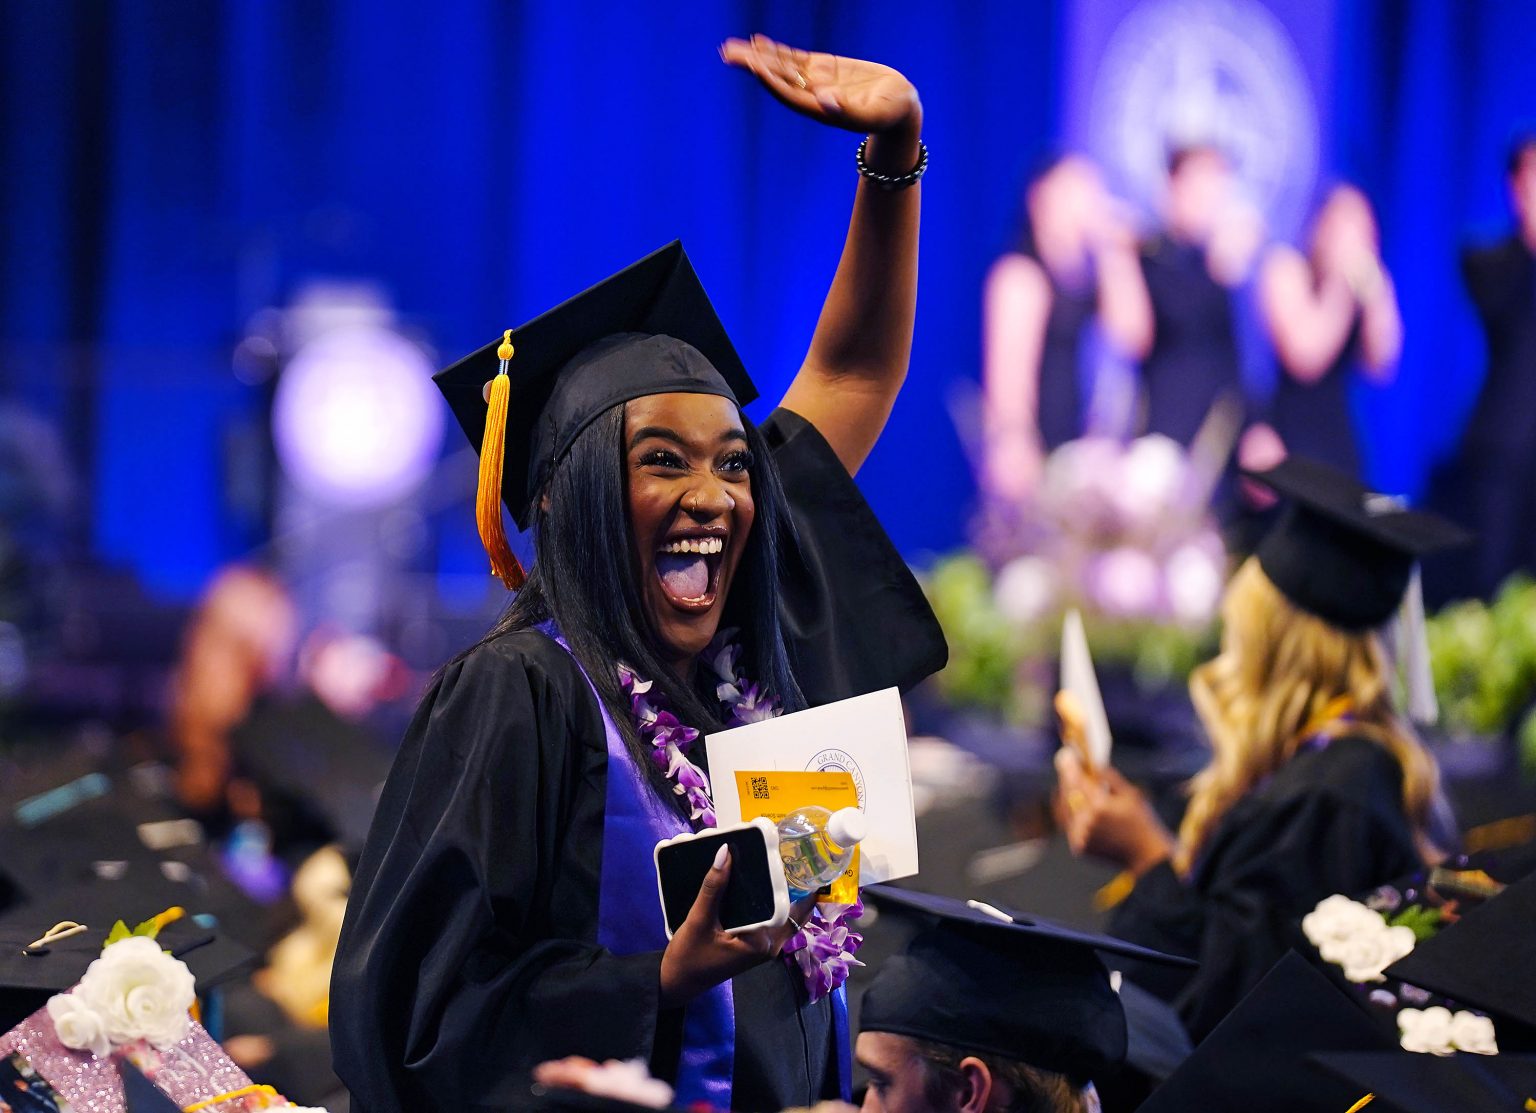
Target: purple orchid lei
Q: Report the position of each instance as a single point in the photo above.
(824, 948)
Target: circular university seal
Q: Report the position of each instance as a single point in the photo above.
(838, 761)
(1224, 72)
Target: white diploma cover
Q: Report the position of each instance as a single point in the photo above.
(865, 736)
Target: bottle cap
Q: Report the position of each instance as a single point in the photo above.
(847, 827)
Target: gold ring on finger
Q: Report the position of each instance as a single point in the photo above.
(1076, 799)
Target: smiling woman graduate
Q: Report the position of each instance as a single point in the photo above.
(504, 911)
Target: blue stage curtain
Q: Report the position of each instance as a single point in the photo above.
(172, 167)
(1429, 94)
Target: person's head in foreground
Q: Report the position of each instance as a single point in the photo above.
(1302, 643)
(983, 1014)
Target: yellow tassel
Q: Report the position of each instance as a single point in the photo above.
(1361, 1104)
(493, 535)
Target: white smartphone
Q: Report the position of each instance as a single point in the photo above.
(756, 896)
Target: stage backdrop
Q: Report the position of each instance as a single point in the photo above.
(172, 168)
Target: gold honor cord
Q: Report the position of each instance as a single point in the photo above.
(222, 1098)
(493, 449)
(1361, 1104)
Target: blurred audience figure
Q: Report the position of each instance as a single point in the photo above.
(238, 646)
(1490, 481)
(1329, 313)
(1206, 247)
(1076, 266)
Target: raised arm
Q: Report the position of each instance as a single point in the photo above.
(863, 340)
(1381, 325)
(1308, 327)
(1016, 307)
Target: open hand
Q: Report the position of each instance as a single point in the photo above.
(843, 92)
(702, 954)
(1106, 816)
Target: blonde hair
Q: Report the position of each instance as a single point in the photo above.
(1281, 676)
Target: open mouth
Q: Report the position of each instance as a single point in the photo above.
(689, 570)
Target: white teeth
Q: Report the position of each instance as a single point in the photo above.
(706, 546)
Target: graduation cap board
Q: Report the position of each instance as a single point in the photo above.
(1486, 960)
(1404, 1082)
(1085, 703)
(649, 329)
(990, 981)
(1341, 552)
(27, 980)
(1258, 1057)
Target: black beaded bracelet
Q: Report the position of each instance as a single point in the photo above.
(892, 182)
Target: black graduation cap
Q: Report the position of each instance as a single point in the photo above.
(1486, 961)
(27, 980)
(1405, 1082)
(649, 329)
(1258, 1056)
(1341, 552)
(1003, 984)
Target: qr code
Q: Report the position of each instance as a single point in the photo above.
(760, 788)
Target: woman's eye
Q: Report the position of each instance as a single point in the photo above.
(737, 463)
(662, 458)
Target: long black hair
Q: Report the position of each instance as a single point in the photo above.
(584, 576)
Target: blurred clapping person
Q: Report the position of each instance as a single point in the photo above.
(1206, 247)
(1493, 473)
(1329, 313)
(1316, 784)
(1076, 266)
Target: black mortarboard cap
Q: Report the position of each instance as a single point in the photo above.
(1405, 1082)
(1341, 552)
(1026, 990)
(650, 329)
(1258, 1056)
(28, 980)
(1486, 960)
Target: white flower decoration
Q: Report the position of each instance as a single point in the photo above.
(78, 1025)
(1337, 919)
(1427, 1031)
(1348, 934)
(1368, 954)
(1474, 1033)
(139, 992)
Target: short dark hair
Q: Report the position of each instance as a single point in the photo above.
(1033, 1090)
(1521, 147)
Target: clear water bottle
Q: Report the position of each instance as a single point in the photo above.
(817, 845)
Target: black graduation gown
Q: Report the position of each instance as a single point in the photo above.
(1330, 821)
(1194, 358)
(1489, 484)
(469, 952)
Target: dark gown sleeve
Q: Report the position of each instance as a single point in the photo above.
(468, 953)
(1489, 282)
(854, 615)
(1336, 825)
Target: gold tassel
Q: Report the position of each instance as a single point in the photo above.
(493, 535)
